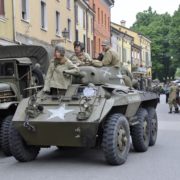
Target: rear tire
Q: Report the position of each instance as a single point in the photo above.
(116, 139)
(141, 132)
(19, 149)
(153, 125)
(5, 135)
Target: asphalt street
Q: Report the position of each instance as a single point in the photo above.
(160, 162)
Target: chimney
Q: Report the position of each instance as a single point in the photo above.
(123, 23)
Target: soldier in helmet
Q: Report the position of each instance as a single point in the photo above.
(172, 98)
(57, 77)
(80, 57)
(110, 57)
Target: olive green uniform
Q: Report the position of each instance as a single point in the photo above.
(110, 59)
(172, 98)
(56, 78)
(127, 76)
(82, 59)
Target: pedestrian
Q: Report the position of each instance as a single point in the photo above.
(172, 98)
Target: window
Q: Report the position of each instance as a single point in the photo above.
(69, 29)
(98, 15)
(109, 23)
(84, 19)
(2, 12)
(88, 45)
(76, 14)
(77, 35)
(102, 17)
(68, 5)
(99, 45)
(84, 41)
(43, 15)
(92, 25)
(105, 20)
(58, 23)
(124, 55)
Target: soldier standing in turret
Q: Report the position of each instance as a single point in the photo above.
(80, 57)
(57, 77)
(110, 58)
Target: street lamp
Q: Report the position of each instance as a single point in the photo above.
(65, 34)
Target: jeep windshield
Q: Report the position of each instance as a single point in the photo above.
(7, 69)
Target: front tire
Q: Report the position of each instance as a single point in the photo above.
(141, 132)
(5, 135)
(19, 149)
(153, 125)
(116, 139)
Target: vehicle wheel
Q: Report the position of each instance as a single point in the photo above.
(19, 149)
(141, 132)
(37, 77)
(153, 125)
(5, 135)
(116, 139)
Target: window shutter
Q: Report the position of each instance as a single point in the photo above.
(2, 13)
(24, 6)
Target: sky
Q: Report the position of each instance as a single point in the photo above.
(127, 9)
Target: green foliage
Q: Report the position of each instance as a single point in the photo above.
(164, 32)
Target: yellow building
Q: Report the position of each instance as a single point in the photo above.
(6, 22)
(84, 16)
(145, 44)
(38, 22)
(121, 43)
(141, 48)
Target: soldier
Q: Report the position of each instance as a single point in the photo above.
(57, 77)
(110, 57)
(80, 57)
(172, 98)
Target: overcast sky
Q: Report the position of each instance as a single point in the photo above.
(127, 9)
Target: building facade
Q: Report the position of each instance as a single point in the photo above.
(102, 9)
(6, 23)
(41, 22)
(140, 48)
(84, 31)
(121, 43)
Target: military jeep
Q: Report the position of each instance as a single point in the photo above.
(17, 72)
(96, 110)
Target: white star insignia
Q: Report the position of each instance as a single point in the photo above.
(60, 112)
(105, 71)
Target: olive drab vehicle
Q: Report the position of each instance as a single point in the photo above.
(96, 110)
(20, 68)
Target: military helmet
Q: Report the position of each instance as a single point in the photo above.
(60, 49)
(80, 44)
(105, 43)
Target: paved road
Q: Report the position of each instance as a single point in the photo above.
(161, 162)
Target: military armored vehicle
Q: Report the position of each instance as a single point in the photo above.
(96, 110)
(18, 70)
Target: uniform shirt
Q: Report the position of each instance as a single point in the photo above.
(83, 58)
(172, 93)
(110, 59)
(55, 77)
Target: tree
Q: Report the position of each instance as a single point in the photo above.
(164, 32)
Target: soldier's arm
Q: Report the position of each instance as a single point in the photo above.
(107, 58)
(88, 57)
(72, 68)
